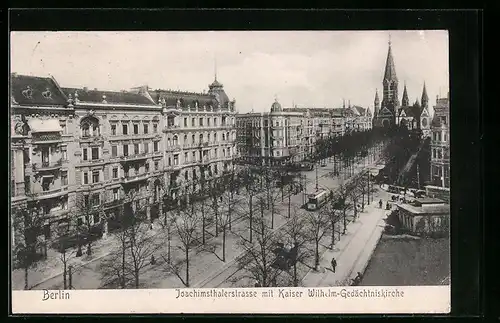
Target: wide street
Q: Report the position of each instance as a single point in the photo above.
(206, 267)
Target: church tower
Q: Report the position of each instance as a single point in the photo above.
(405, 102)
(390, 83)
(425, 99)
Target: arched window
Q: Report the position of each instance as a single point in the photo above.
(90, 127)
(201, 138)
(208, 137)
(227, 136)
(175, 140)
(223, 137)
(185, 139)
(193, 139)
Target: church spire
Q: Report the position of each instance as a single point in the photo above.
(215, 68)
(390, 70)
(425, 98)
(376, 103)
(405, 102)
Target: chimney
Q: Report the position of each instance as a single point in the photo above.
(85, 88)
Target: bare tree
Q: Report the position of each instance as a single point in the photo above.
(88, 212)
(252, 189)
(120, 268)
(317, 226)
(27, 223)
(342, 203)
(295, 232)
(186, 225)
(142, 246)
(64, 233)
(334, 217)
(258, 257)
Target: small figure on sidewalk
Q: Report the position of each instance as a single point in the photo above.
(387, 206)
(153, 260)
(334, 264)
(380, 203)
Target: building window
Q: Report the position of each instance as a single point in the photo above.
(223, 137)
(113, 129)
(136, 149)
(208, 122)
(186, 176)
(115, 194)
(169, 161)
(85, 155)
(85, 178)
(97, 218)
(201, 122)
(146, 128)
(194, 156)
(136, 168)
(64, 178)
(155, 128)
(186, 157)
(215, 122)
(216, 169)
(157, 166)
(115, 172)
(193, 122)
(64, 153)
(147, 167)
(185, 122)
(125, 150)
(95, 200)
(114, 151)
(155, 146)
(125, 129)
(136, 129)
(176, 159)
(95, 153)
(146, 147)
(95, 176)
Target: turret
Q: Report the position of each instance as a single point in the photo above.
(405, 102)
(425, 98)
(376, 102)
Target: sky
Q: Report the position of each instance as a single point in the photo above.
(307, 68)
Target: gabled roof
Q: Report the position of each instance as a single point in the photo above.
(35, 90)
(111, 97)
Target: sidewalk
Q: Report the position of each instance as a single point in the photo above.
(354, 249)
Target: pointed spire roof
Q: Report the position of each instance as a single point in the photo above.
(377, 100)
(425, 98)
(417, 103)
(405, 101)
(390, 70)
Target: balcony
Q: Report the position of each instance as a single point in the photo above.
(46, 166)
(46, 138)
(135, 178)
(440, 143)
(113, 203)
(51, 193)
(171, 127)
(91, 139)
(173, 148)
(134, 157)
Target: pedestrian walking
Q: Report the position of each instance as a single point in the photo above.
(380, 203)
(153, 260)
(334, 264)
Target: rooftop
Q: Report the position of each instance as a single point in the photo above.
(111, 97)
(35, 90)
(426, 209)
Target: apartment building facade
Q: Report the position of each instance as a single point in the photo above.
(272, 137)
(440, 144)
(200, 138)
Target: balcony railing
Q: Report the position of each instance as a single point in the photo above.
(46, 138)
(91, 138)
(172, 127)
(47, 165)
(173, 148)
(134, 157)
(114, 203)
(135, 178)
(55, 192)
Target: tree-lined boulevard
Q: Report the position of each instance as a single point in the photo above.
(247, 228)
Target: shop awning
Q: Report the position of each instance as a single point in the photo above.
(51, 125)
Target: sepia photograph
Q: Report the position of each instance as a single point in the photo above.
(268, 165)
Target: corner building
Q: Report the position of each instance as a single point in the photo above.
(199, 138)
